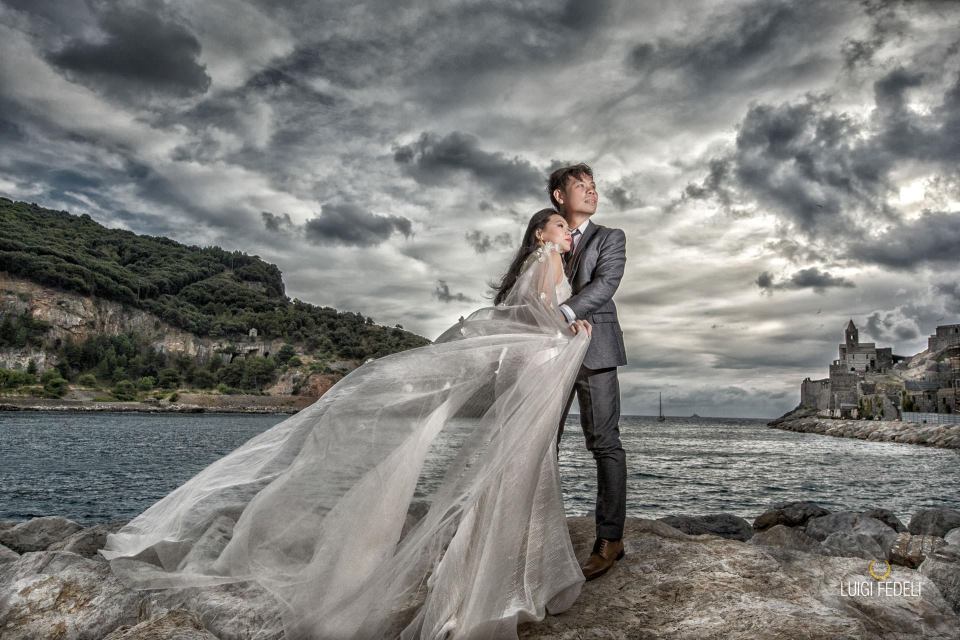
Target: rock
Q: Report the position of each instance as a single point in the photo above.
(851, 544)
(910, 550)
(942, 566)
(679, 586)
(791, 514)
(885, 516)
(59, 594)
(7, 554)
(230, 612)
(788, 538)
(8, 524)
(725, 525)
(931, 522)
(853, 523)
(669, 585)
(953, 537)
(175, 625)
(38, 534)
(86, 542)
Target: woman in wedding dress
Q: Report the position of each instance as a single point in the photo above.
(418, 498)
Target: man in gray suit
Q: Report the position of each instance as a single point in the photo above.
(595, 266)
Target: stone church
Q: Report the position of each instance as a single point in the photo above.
(839, 394)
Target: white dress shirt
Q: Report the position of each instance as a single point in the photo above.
(567, 311)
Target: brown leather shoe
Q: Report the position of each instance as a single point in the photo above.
(605, 555)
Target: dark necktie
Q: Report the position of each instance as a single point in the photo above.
(573, 245)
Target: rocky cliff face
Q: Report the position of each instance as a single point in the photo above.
(78, 317)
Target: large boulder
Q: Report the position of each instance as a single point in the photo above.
(910, 550)
(7, 554)
(175, 625)
(86, 542)
(725, 525)
(58, 594)
(852, 523)
(787, 538)
(851, 544)
(230, 612)
(942, 566)
(791, 514)
(953, 537)
(931, 522)
(38, 534)
(885, 516)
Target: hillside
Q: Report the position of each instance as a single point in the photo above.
(205, 291)
(91, 315)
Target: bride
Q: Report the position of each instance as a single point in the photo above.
(418, 498)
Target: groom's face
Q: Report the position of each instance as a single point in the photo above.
(579, 195)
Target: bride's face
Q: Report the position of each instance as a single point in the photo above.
(557, 231)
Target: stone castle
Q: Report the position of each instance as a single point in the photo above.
(869, 380)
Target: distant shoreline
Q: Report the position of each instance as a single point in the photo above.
(239, 403)
(191, 403)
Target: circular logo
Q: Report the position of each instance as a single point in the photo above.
(884, 575)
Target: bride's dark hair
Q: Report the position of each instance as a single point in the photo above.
(528, 246)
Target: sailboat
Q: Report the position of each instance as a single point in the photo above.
(660, 417)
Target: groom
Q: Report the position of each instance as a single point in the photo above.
(594, 266)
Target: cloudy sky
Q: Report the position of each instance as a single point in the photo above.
(778, 167)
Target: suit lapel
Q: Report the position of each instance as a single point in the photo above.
(574, 264)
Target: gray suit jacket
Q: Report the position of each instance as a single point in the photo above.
(595, 273)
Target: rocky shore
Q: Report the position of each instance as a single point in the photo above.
(945, 436)
(187, 403)
(797, 571)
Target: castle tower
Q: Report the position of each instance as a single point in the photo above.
(852, 336)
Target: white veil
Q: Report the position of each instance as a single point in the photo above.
(418, 498)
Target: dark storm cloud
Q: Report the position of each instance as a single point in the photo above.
(432, 160)
(276, 223)
(443, 54)
(828, 173)
(886, 24)
(484, 242)
(891, 327)
(140, 50)
(351, 225)
(950, 291)
(758, 41)
(798, 159)
(810, 278)
(934, 237)
(621, 198)
(442, 293)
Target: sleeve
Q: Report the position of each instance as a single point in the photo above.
(606, 276)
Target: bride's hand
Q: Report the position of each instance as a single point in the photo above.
(581, 325)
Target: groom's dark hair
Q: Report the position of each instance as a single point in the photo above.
(558, 179)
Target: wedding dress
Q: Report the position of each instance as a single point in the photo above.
(418, 498)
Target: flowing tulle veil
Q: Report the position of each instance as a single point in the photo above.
(418, 498)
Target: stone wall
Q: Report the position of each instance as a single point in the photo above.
(815, 394)
(946, 335)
